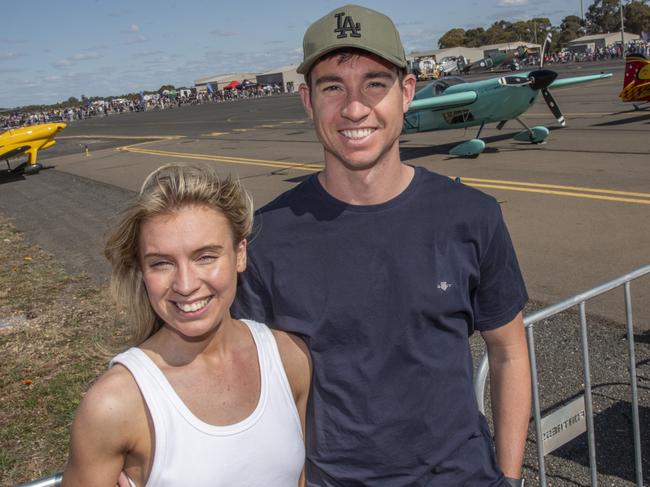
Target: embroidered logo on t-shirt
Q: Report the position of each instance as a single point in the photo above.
(444, 285)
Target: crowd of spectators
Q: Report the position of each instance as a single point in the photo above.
(144, 102)
(20, 118)
(599, 54)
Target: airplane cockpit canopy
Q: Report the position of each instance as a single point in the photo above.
(439, 86)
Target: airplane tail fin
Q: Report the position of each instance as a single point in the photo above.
(522, 53)
(636, 84)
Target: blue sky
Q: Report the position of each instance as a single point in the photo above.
(52, 50)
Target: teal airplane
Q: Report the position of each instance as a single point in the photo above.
(451, 102)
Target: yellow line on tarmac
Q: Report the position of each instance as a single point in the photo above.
(569, 115)
(555, 186)
(137, 145)
(118, 137)
(563, 193)
(550, 189)
(228, 159)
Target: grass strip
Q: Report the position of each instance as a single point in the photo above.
(57, 333)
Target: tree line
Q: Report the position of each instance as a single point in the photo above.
(602, 16)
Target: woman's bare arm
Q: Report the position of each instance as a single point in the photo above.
(297, 364)
(105, 430)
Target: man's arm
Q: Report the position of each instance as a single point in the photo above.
(511, 392)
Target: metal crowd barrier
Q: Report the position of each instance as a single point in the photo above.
(52, 481)
(529, 321)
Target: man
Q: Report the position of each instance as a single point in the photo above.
(385, 270)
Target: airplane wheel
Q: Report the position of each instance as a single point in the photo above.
(33, 169)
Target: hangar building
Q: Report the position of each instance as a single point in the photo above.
(599, 41)
(219, 81)
(286, 77)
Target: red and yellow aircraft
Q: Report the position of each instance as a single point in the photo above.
(28, 140)
(636, 84)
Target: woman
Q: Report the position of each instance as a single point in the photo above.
(203, 399)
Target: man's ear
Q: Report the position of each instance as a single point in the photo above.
(305, 96)
(408, 90)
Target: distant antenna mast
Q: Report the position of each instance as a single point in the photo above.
(547, 40)
(620, 5)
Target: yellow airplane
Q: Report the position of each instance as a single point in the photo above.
(29, 140)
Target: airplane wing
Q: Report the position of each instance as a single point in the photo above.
(13, 152)
(558, 83)
(444, 102)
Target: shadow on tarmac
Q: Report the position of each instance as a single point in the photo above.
(641, 118)
(410, 153)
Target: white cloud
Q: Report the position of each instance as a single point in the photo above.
(7, 56)
(63, 63)
(222, 33)
(137, 39)
(84, 56)
(148, 53)
(134, 28)
(511, 3)
(79, 57)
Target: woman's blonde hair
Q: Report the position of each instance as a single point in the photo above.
(165, 190)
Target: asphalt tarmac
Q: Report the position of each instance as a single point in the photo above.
(577, 207)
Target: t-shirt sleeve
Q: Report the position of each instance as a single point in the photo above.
(252, 300)
(501, 292)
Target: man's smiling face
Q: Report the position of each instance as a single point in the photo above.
(357, 104)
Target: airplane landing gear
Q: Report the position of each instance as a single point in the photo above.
(32, 168)
(535, 135)
(471, 148)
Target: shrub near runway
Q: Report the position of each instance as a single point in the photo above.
(57, 333)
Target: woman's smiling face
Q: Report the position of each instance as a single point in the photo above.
(189, 265)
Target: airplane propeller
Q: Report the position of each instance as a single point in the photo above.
(540, 80)
(552, 104)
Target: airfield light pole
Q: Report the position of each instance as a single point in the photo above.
(620, 5)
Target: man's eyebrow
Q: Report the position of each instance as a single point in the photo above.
(380, 74)
(332, 78)
(328, 78)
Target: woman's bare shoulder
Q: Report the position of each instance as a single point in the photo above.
(295, 358)
(113, 401)
(110, 423)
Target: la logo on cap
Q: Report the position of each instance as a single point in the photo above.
(345, 25)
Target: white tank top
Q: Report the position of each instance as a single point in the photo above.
(265, 449)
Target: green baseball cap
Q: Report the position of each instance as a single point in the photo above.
(352, 26)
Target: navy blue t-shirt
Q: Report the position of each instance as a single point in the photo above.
(386, 296)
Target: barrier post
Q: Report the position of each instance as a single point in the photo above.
(589, 409)
(638, 466)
